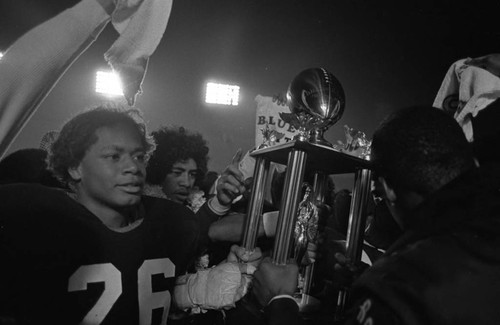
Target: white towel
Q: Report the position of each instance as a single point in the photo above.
(465, 91)
(141, 24)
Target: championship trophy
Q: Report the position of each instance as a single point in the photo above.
(316, 100)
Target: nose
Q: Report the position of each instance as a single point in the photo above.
(131, 165)
(184, 179)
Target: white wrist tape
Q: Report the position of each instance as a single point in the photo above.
(217, 207)
(215, 288)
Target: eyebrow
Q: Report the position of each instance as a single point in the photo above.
(122, 149)
(184, 169)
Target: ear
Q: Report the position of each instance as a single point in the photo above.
(389, 192)
(75, 173)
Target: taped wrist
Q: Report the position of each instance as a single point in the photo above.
(217, 207)
(215, 288)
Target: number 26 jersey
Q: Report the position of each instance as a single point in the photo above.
(62, 265)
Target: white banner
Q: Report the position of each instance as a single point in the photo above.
(268, 112)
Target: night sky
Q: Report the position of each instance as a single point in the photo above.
(386, 54)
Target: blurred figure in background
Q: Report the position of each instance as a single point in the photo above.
(178, 165)
(27, 166)
(470, 92)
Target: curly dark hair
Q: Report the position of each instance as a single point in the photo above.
(79, 133)
(176, 144)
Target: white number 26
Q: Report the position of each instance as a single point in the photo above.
(111, 276)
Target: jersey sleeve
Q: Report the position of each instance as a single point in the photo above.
(283, 311)
(205, 217)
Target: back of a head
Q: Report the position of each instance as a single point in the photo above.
(420, 149)
(26, 166)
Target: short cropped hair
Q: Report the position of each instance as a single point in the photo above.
(420, 149)
(79, 134)
(176, 144)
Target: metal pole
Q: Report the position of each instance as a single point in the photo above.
(356, 229)
(289, 205)
(357, 215)
(253, 217)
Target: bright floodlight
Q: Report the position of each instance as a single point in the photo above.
(1, 55)
(222, 94)
(108, 83)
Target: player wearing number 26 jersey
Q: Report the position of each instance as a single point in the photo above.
(62, 265)
(106, 254)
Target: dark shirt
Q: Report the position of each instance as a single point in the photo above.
(446, 269)
(61, 264)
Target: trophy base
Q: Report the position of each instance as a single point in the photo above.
(307, 303)
(321, 142)
(317, 137)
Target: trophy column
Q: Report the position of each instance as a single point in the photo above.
(289, 203)
(356, 227)
(256, 203)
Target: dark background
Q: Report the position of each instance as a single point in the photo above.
(386, 54)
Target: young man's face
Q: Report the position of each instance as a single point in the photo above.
(111, 175)
(180, 180)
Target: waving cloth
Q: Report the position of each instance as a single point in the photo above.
(141, 24)
(35, 62)
(465, 91)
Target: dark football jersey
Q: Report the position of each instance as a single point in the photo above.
(62, 265)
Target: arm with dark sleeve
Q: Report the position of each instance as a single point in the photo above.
(35, 62)
(206, 216)
(282, 311)
(272, 287)
(230, 228)
(371, 310)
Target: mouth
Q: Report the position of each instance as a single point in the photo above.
(181, 196)
(132, 188)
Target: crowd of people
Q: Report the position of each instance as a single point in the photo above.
(107, 222)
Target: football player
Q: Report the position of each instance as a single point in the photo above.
(103, 254)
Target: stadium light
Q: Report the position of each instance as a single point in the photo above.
(108, 83)
(1, 55)
(222, 94)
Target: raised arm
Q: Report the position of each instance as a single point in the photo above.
(34, 63)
